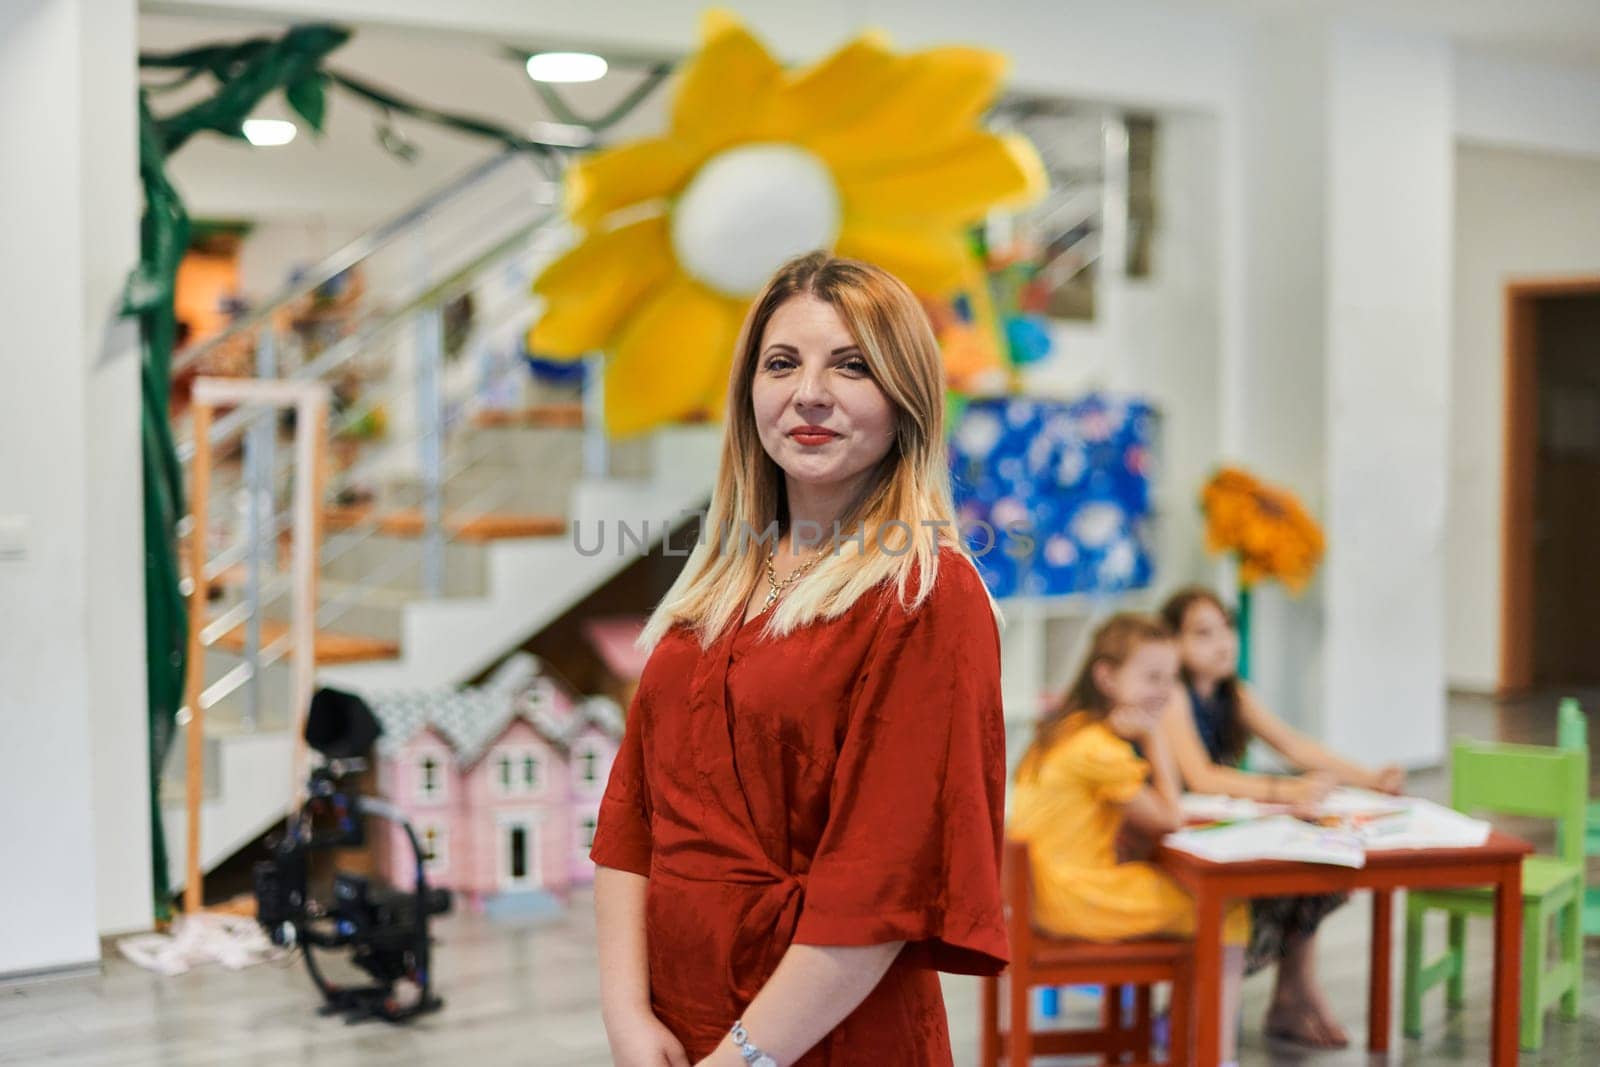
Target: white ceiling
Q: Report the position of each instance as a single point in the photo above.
(354, 183)
(1559, 31)
(348, 177)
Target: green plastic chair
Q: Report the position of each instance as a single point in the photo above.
(1572, 732)
(1525, 780)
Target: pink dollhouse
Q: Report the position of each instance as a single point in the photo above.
(502, 783)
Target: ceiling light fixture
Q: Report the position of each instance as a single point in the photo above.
(566, 67)
(269, 133)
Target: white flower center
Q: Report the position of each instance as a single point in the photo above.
(748, 210)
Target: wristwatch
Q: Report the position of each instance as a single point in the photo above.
(752, 1055)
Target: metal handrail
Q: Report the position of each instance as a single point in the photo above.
(358, 250)
(422, 309)
(345, 349)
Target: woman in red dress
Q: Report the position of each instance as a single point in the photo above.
(803, 824)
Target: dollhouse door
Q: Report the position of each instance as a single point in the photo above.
(519, 853)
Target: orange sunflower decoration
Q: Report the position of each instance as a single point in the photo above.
(1269, 531)
(871, 153)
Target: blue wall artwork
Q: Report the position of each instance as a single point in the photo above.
(1065, 486)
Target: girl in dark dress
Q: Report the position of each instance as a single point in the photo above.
(1215, 717)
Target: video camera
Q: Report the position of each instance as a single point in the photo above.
(385, 928)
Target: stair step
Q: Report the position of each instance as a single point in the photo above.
(567, 416)
(234, 580)
(331, 646)
(408, 522)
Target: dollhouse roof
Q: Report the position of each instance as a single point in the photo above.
(471, 719)
(604, 713)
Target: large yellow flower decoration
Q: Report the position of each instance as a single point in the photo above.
(873, 154)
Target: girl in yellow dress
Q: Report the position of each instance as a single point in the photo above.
(1081, 782)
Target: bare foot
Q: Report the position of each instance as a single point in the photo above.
(1303, 1024)
(1330, 1022)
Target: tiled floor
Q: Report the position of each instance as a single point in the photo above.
(526, 995)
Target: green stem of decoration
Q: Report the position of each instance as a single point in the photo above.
(246, 73)
(565, 113)
(1245, 594)
(448, 119)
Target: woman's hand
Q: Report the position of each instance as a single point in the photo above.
(1390, 779)
(644, 1041)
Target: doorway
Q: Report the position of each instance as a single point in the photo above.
(1550, 628)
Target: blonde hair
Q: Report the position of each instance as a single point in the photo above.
(910, 486)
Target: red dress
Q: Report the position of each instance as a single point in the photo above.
(842, 785)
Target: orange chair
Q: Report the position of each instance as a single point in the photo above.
(1040, 960)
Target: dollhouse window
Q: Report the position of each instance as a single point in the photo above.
(530, 772)
(586, 827)
(433, 848)
(430, 778)
(588, 766)
(503, 769)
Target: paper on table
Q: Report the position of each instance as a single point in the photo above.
(1347, 801)
(1211, 806)
(1370, 822)
(1275, 837)
(1340, 804)
(1424, 824)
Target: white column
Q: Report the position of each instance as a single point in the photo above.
(72, 707)
(1390, 217)
(1337, 236)
(1273, 362)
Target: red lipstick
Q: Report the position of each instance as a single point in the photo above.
(812, 435)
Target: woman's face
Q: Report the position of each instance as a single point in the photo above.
(1207, 644)
(820, 415)
(1145, 679)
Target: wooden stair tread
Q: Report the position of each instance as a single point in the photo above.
(568, 415)
(408, 522)
(331, 646)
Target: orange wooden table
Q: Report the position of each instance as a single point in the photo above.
(1497, 863)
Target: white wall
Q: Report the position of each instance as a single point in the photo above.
(1516, 104)
(1273, 313)
(1518, 214)
(1528, 175)
(110, 240)
(1335, 353)
(72, 708)
(1157, 337)
(1388, 320)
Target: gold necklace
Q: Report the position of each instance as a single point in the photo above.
(776, 588)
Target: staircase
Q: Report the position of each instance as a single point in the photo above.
(447, 540)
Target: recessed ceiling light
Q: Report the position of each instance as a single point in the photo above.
(266, 133)
(566, 67)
